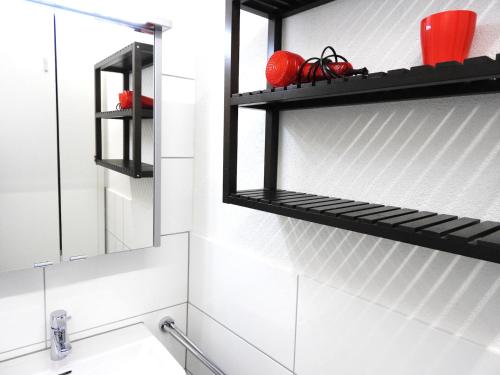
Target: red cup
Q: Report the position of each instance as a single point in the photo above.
(447, 36)
(282, 68)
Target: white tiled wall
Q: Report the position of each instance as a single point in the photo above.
(233, 354)
(364, 305)
(177, 190)
(240, 293)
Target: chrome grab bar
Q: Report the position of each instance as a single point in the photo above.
(167, 324)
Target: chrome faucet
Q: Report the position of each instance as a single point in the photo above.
(60, 347)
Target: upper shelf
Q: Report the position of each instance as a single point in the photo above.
(121, 61)
(476, 75)
(280, 8)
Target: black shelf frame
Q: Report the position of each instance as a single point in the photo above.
(464, 236)
(280, 8)
(131, 59)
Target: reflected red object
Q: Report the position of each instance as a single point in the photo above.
(339, 68)
(127, 97)
(447, 36)
(282, 68)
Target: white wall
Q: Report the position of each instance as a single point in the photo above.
(276, 295)
(107, 292)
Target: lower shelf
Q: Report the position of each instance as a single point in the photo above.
(464, 236)
(126, 167)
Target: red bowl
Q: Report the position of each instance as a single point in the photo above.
(447, 36)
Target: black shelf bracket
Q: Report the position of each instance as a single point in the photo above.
(479, 75)
(129, 60)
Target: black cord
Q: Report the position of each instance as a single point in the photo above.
(320, 63)
(323, 64)
(301, 69)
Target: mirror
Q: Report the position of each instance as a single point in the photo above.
(77, 161)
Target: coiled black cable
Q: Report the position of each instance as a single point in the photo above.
(323, 64)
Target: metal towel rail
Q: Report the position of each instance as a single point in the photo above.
(167, 324)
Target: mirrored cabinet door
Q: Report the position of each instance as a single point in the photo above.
(103, 211)
(77, 159)
(29, 223)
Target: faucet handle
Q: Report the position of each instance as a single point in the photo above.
(58, 319)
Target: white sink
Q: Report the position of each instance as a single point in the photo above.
(128, 351)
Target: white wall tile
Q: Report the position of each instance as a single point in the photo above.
(230, 353)
(114, 213)
(253, 299)
(151, 320)
(118, 286)
(178, 97)
(178, 44)
(22, 320)
(343, 334)
(177, 195)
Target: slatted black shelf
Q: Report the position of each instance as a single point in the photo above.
(280, 8)
(475, 76)
(122, 62)
(124, 113)
(463, 236)
(126, 167)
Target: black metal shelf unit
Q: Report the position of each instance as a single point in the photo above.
(464, 236)
(131, 59)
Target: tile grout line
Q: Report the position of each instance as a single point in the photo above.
(20, 348)
(168, 234)
(176, 76)
(187, 305)
(296, 323)
(241, 337)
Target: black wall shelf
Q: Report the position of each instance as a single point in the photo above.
(464, 236)
(129, 60)
(477, 75)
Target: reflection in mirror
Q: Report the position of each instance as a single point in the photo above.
(103, 210)
(29, 218)
(77, 168)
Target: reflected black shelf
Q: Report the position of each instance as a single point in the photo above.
(130, 62)
(122, 60)
(124, 113)
(475, 76)
(126, 167)
(463, 236)
(280, 8)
